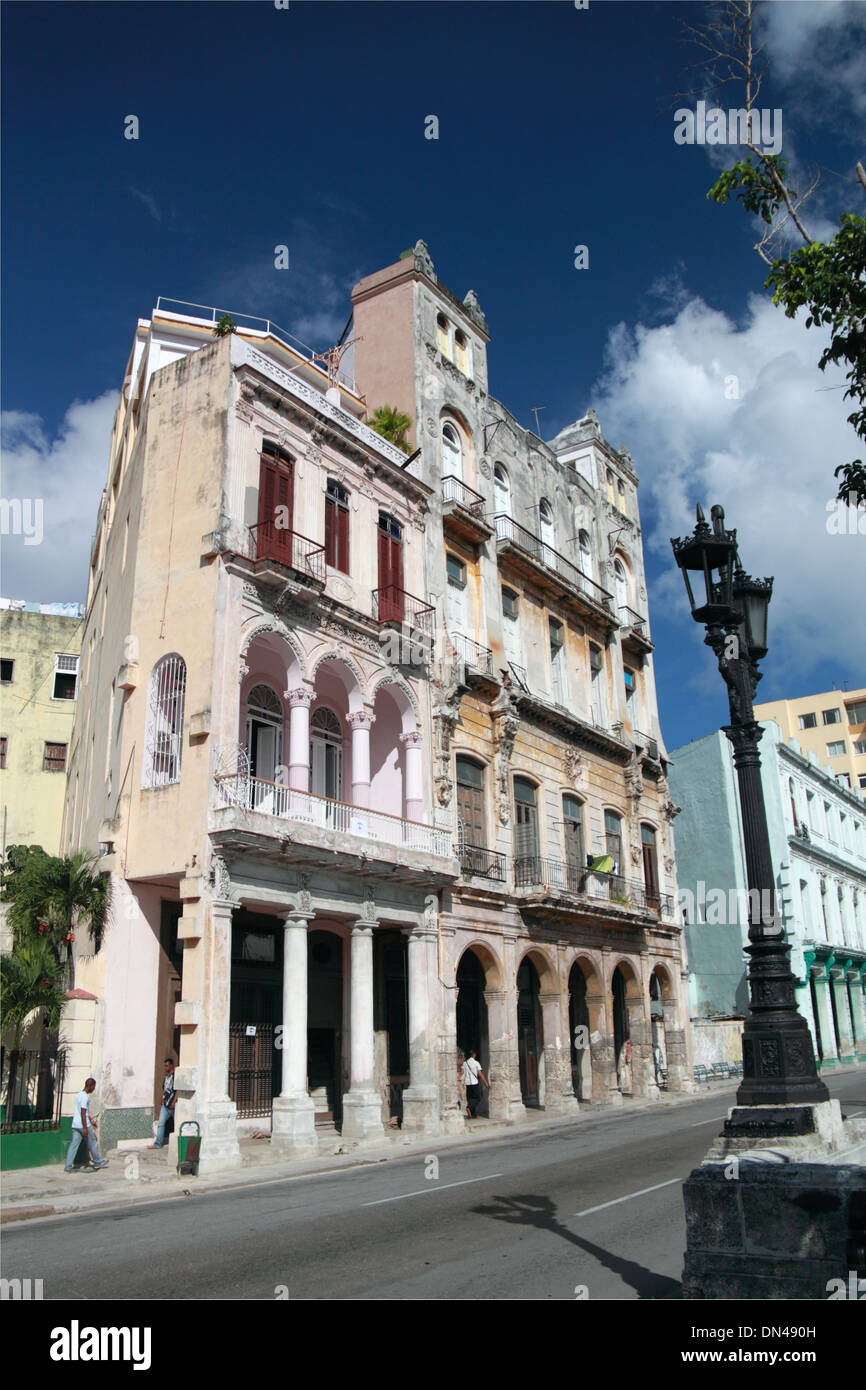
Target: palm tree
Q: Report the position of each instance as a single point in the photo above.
(392, 424)
(29, 993)
(50, 897)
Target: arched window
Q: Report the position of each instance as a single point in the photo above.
(611, 489)
(163, 733)
(621, 584)
(793, 797)
(558, 680)
(572, 829)
(456, 606)
(264, 734)
(650, 866)
(337, 527)
(501, 491)
(585, 553)
(443, 336)
(452, 453)
(613, 838)
(548, 537)
(462, 358)
(326, 754)
(471, 817)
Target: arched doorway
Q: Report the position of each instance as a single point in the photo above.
(472, 1023)
(657, 1021)
(530, 1036)
(579, 1029)
(325, 1025)
(326, 754)
(621, 1033)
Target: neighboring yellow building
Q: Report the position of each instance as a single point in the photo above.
(40, 646)
(831, 725)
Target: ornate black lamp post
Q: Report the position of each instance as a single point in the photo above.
(778, 1058)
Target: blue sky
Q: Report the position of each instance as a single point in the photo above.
(305, 127)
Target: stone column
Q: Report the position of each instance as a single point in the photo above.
(823, 985)
(555, 1099)
(421, 1098)
(413, 744)
(505, 1100)
(839, 986)
(293, 1127)
(858, 1011)
(215, 1111)
(361, 723)
(299, 738)
(362, 1106)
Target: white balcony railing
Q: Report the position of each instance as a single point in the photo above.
(305, 808)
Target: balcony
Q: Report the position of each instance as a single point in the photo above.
(274, 550)
(548, 876)
(477, 661)
(551, 572)
(476, 862)
(635, 631)
(646, 747)
(393, 607)
(463, 511)
(254, 814)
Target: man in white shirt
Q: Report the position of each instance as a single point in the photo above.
(471, 1074)
(83, 1127)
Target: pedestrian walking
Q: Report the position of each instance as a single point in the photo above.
(84, 1127)
(472, 1074)
(169, 1101)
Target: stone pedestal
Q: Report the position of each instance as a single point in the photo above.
(775, 1211)
(293, 1126)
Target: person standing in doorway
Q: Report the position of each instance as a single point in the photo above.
(472, 1075)
(169, 1101)
(83, 1127)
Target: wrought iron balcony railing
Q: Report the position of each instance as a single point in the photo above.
(290, 804)
(394, 605)
(511, 532)
(476, 657)
(533, 871)
(482, 863)
(455, 490)
(630, 619)
(271, 542)
(644, 744)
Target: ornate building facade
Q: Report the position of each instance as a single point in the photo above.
(368, 742)
(560, 951)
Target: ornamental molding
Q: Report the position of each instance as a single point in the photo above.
(221, 881)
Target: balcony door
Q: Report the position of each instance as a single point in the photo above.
(575, 862)
(391, 605)
(264, 744)
(326, 755)
(525, 821)
(650, 867)
(471, 822)
(276, 506)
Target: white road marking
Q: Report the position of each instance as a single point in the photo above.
(434, 1187)
(698, 1123)
(617, 1200)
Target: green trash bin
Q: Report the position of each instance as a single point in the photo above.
(188, 1148)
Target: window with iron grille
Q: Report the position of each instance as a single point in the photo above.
(2, 752)
(65, 676)
(54, 759)
(163, 734)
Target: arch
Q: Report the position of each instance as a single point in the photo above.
(666, 984)
(348, 672)
(622, 582)
(163, 730)
(580, 1028)
(548, 977)
(630, 976)
(268, 631)
(404, 698)
(452, 450)
(530, 1028)
(501, 490)
(490, 964)
(264, 701)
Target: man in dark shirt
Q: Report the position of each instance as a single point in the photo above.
(169, 1101)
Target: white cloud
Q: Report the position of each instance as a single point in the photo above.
(816, 50)
(767, 456)
(149, 202)
(67, 474)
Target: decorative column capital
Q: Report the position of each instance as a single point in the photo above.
(414, 739)
(362, 927)
(300, 698)
(362, 719)
(296, 918)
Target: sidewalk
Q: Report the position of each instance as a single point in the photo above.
(136, 1176)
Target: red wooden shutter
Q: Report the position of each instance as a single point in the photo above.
(331, 529)
(275, 490)
(342, 560)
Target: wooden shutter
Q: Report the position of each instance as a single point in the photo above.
(275, 490)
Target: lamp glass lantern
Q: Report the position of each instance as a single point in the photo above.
(711, 553)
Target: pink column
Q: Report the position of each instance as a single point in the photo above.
(412, 742)
(299, 738)
(361, 723)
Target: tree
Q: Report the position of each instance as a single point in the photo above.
(392, 424)
(225, 324)
(50, 897)
(29, 993)
(825, 278)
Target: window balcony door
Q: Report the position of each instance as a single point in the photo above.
(391, 595)
(276, 509)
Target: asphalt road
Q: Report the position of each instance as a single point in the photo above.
(594, 1205)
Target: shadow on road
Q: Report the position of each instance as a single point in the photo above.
(540, 1212)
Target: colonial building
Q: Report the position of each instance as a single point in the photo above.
(371, 753)
(832, 726)
(40, 643)
(548, 756)
(817, 831)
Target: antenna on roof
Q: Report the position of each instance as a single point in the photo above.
(535, 410)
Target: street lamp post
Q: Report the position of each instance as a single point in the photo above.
(778, 1058)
